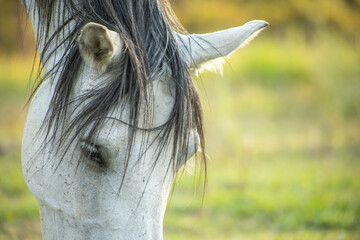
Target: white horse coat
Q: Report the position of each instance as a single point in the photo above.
(82, 201)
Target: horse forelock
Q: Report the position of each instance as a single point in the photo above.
(146, 27)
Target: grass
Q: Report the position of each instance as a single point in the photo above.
(283, 139)
(19, 214)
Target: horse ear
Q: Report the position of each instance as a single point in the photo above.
(99, 46)
(200, 48)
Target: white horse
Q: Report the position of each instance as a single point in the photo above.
(100, 161)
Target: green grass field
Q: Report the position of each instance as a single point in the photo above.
(283, 131)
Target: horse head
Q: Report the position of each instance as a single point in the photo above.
(121, 117)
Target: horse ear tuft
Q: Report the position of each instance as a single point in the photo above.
(99, 46)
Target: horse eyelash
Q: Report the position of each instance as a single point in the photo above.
(93, 153)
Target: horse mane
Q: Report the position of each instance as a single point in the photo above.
(146, 27)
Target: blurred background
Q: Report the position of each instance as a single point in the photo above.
(283, 125)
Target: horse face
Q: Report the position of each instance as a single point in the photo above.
(81, 200)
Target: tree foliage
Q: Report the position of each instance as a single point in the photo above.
(15, 33)
(342, 16)
(308, 16)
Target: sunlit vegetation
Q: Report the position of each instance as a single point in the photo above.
(284, 143)
(340, 15)
(282, 126)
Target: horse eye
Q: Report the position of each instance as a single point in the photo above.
(92, 152)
